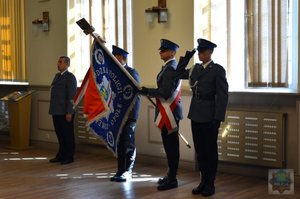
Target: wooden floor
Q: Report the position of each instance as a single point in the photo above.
(27, 174)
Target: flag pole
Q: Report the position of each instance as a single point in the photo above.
(180, 135)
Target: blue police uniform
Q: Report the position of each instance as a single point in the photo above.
(166, 86)
(126, 146)
(207, 109)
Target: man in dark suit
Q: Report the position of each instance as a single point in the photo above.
(126, 149)
(63, 89)
(207, 109)
(167, 93)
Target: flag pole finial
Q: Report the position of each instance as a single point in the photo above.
(88, 29)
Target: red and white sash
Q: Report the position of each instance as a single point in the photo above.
(166, 108)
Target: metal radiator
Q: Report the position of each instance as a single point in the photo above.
(82, 133)
(255, 138)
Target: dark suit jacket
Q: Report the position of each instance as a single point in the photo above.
(135, 110)
(166, 85)
(211, 83)
(63, 89)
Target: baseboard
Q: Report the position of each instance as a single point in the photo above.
(44, 144)
(80, 147)
(249, 170)
(162, 161)
(242, 169)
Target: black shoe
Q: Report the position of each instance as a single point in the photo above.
(117, 175)
(53, 160)
(120, 179)
(198, 190)
(162, 180)
(67, 161)
(208, 190)
(168, 184)
(124, 177)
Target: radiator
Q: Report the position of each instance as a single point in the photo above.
(255, 138)
(81, 132)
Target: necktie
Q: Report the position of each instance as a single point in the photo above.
(201, 67)
(58, 76)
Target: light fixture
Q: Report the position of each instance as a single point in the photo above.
(161, 10)
(44, 21)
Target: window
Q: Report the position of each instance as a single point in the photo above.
(12, 41)
(257, 40)
(111, 20)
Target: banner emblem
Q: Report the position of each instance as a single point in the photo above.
(99, 57)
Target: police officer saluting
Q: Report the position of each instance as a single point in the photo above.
(207, 109)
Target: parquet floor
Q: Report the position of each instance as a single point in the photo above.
(27, 174)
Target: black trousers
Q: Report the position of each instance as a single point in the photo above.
(126, 148)
(205, 137)
(171, 146)
(65, 134)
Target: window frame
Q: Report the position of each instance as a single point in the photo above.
(235, 71)
(114, 29)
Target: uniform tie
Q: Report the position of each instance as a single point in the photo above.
(201, 67)
(58, 76)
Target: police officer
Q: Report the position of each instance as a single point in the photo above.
(207, 109)
(63, 89)
(167, 86)
(126, 146)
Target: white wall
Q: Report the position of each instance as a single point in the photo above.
(44, 48)
(146, 37)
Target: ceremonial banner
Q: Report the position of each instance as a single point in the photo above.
(81, 91)
(109, 96)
